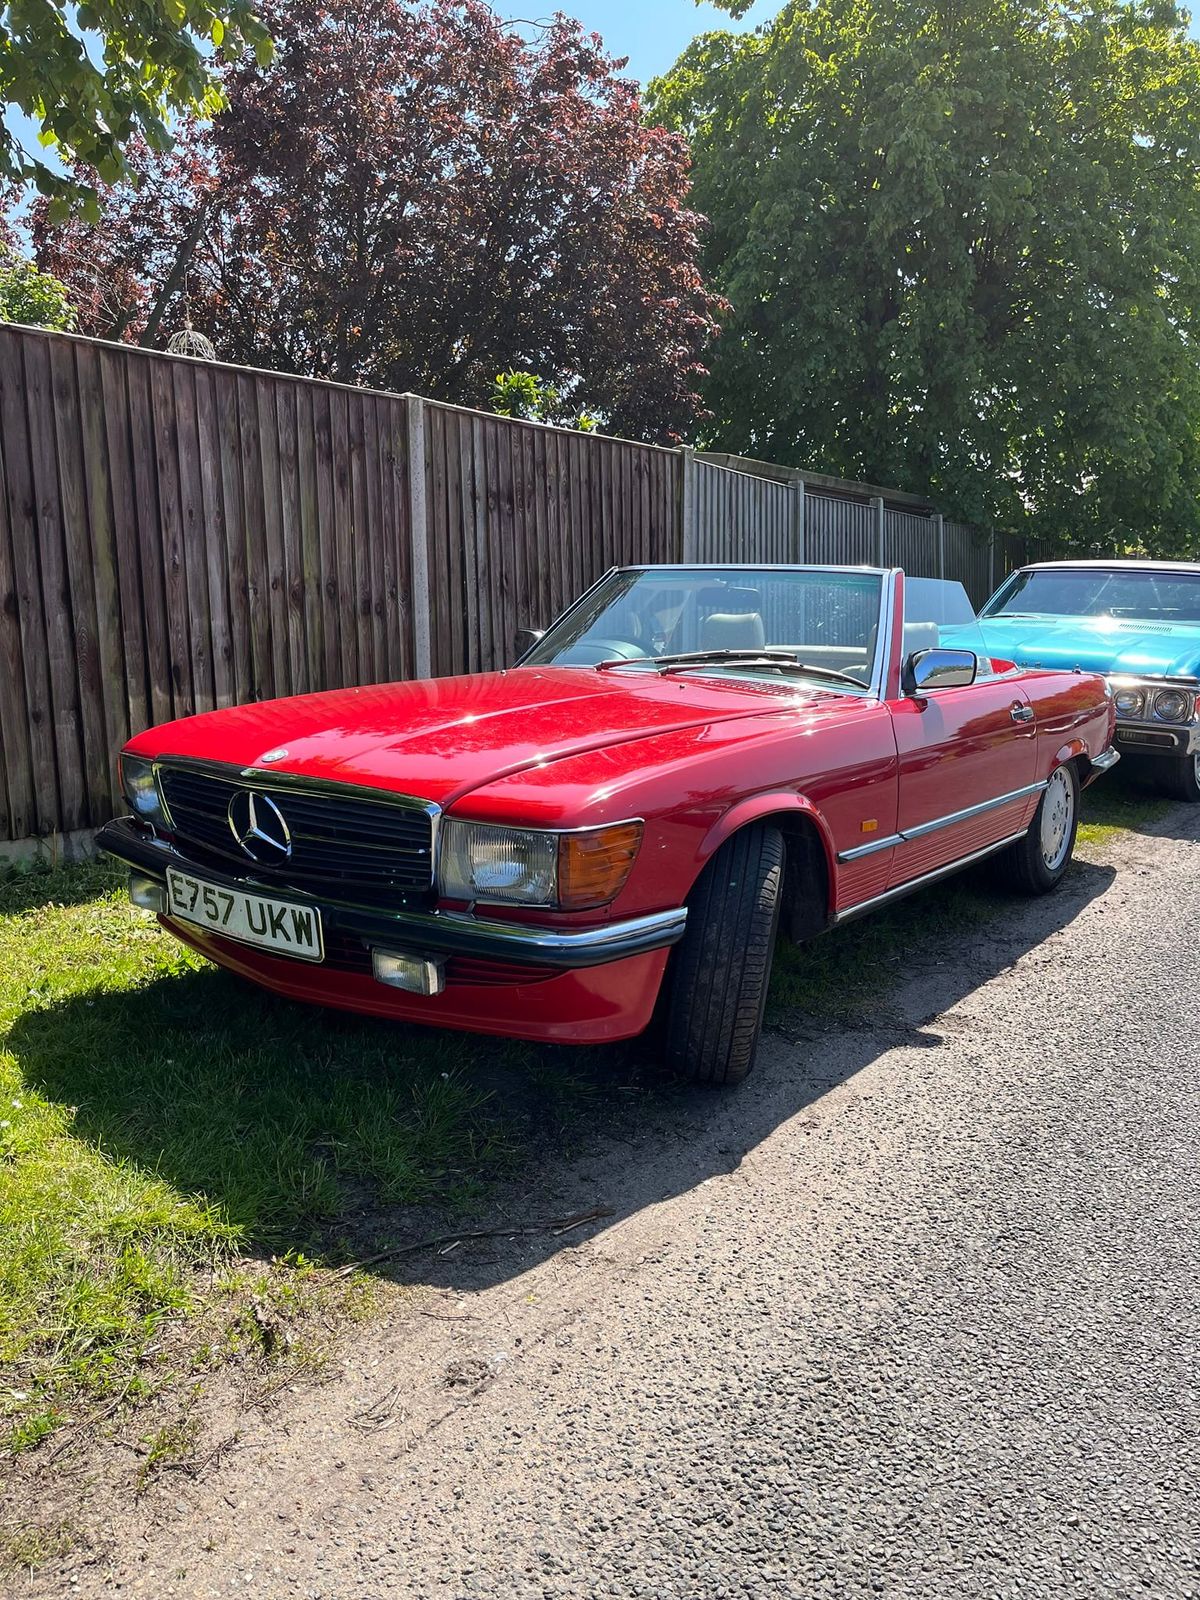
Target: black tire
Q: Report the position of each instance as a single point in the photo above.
(722, 965)
(1028, 865)
(1179, 777)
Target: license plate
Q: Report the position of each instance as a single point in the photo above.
(278, 925)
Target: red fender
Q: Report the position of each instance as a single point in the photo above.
(756, 807)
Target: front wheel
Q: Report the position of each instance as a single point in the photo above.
(1180, 778)
(1037, 861)
(722, 965)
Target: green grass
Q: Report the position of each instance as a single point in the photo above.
(1115, 806)
(160, 1122)
(182, 1156)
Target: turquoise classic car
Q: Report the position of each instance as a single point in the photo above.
(1138, 623)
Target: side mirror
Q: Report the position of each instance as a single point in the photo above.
(526, 639)
(939, 669)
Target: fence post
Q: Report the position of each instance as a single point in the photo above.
(877, 507)
(418, 522)
(991, 561)
(688, 532)
(940, 524)
(798, 508)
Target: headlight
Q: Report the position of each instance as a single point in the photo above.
(494, 865)
(1172, 705)
(139, 787)
(1129, 702)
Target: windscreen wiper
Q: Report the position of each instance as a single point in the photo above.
(776, 656)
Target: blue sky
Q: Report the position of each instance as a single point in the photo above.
(651, 33)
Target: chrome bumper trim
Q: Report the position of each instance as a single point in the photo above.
(449, 932)
(1106, 760)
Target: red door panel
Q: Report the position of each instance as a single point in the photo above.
(960, 749)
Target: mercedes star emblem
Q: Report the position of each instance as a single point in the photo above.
(258, 825)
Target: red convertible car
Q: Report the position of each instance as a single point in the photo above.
(689, 759)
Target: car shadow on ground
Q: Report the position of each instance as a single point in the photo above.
(343, 1137)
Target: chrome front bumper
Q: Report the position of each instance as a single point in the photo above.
(436, 932)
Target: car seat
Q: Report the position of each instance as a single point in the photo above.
(733, 630)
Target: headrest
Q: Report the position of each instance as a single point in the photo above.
(733, 630)
(920, 636)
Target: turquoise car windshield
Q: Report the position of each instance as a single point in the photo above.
(1149, 596)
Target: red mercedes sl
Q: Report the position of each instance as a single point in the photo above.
(689, 760)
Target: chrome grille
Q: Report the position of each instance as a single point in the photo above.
(352, 846)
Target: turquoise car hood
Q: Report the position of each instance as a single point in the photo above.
(1095, 644)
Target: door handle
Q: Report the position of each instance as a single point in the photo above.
(1020, 712)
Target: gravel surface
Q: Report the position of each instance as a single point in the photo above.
(914, 1313)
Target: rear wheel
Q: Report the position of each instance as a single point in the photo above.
(1035, 864)
(722, 965)
(1180, 778)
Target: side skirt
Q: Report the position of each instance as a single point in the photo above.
(902, 889)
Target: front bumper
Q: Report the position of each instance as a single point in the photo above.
(1139, 737)
(434, 932)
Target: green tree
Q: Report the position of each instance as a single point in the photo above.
(962, 246)
(525, 395)
(96, 74)
(30, 296)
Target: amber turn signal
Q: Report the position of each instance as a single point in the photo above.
(593, 865)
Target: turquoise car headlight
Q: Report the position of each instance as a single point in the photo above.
(1129, 702)
(140, 788)
(1172, 705)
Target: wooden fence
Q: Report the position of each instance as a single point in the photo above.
(178, 535)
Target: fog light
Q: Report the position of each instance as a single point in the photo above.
(417, 974)
(147, 893)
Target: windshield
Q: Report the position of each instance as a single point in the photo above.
(938, 614)
(739, 617)
(1149, 596)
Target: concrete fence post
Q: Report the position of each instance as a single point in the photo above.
(418, 523)
(689, 533)
(877, 507)
(798, 508)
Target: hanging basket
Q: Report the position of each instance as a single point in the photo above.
(187, 342)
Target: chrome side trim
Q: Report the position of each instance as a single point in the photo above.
(883, 643)
(1105, 760)
(939, 823)
(861, 850)
(902, 889)
(973, 811)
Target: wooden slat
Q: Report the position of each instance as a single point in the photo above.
(211, 540)
(327, 538)
(102, 554)
(17, 792)
(343, 539)
(373, 535)
(194, 536)
(360, 555)
(233, 502)
(292, 590)
(276, 589)
(258, 580)
(55, 587)
(310, 540)
(166, 458)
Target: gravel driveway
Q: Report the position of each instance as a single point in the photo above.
(914, 1314)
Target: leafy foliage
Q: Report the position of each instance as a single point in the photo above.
(32, 297)
(962, 242)
(524, 395)
(412, 198)
(97, 74)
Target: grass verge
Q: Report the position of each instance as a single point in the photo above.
(177, 1148)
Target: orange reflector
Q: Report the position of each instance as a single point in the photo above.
(593, 866)
(870, 825)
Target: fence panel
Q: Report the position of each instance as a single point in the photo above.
(969, 559)
(910, 542)
(739, 517)
(522, 518)
(176, 536)
(840, 532)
